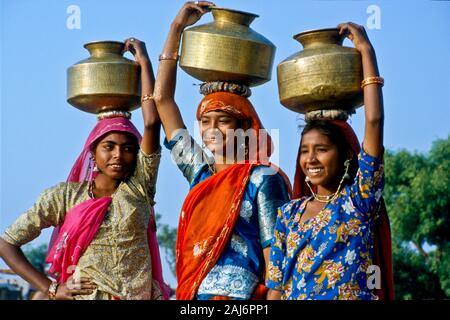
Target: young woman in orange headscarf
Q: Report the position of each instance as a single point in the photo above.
(333, 240)
(227, 219)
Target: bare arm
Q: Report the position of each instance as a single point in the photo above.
(16, 260)
(167, 70)
(152, 123)
(373, 97)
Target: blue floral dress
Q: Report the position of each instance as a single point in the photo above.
(330, 255)
(241, 267)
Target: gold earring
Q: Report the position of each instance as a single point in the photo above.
(95, 168)
(347, 166)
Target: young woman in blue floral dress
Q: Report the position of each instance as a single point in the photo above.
(327, 242)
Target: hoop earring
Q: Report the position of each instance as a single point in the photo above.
(245, 147)
(347, 166)
(95, 168)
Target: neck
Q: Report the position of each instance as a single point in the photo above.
(220, 167)
(327, 193)
(105, 185)
(221, 162)
(327, 190)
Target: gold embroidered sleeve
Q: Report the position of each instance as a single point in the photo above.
(146, 173)
(49, 210)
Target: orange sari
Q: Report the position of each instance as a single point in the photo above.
(212, 207)
(202, 237)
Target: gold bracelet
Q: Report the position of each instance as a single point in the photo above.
(146, 97)
(165, 56)
(371, 80)
(52, 290)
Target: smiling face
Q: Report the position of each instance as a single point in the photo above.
(116, 154)
(319, 159)
(216, 128)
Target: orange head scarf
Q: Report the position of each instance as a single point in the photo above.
(242, 109)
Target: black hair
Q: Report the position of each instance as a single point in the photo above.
(337, 137)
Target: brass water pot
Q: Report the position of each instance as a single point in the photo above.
(104, 81)
(325, 75)
(227, 50)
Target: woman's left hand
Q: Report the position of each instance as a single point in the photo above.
(138, 49)
(357, 34)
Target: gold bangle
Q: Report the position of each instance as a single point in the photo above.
(52, 290)
(146, 97)
(371, 80)
(165, 56)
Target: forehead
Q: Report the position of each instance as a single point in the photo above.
(314, 137)
(117, 137)
(216, 114)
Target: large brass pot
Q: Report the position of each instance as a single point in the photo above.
(104, 81)
(325, 75)
(227, 50)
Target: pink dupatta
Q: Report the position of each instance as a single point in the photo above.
(81, 223)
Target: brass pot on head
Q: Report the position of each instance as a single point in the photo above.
(104, 81)
(227, 50)
(325, 75)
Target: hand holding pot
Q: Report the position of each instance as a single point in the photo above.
(191, 12)
(138, 49)
(357, 34)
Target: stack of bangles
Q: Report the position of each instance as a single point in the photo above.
(52, 290)
(372, 80)
(165, 56)
(146, 97)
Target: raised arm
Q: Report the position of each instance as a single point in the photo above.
(164, 92)
(152, 123)
(373, 97)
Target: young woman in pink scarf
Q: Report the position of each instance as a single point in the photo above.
(104, 245)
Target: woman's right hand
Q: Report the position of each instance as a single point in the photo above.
(66, 291)
(191, 12)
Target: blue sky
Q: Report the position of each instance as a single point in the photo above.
(41, 134)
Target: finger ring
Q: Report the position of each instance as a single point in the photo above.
(132, 39)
